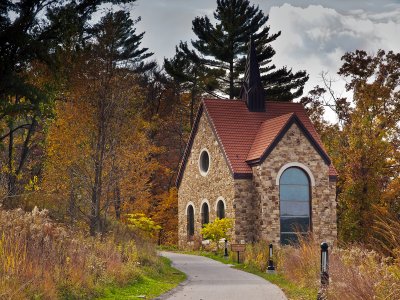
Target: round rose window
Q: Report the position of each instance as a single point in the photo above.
(204, 162)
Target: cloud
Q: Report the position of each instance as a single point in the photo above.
(315, 33)
(315, 37)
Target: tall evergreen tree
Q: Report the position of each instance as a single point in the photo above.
(117, 41)
(106, 73)
(32, 34)
(223, 46)
(188, 70)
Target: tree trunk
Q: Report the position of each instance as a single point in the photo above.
(12, 171)
(192, 101)
(117, 202)
(72, 201)
(11, 178)
(95, 225)
(231, 87)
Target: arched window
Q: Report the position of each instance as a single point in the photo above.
(294, 189)
(220, 209)
(205, 219)
(190, 221)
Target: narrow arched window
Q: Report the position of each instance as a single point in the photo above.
(220, 209)
(190, 221)
(295, 204)
(205, 219)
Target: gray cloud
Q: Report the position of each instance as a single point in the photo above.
(166, 22)
(315, 33)
(314, 38)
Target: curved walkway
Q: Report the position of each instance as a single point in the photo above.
(208, 279)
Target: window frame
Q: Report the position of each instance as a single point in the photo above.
(309, 201)
(220, 200)
(190, 221)
(203, 204)
(201, 170)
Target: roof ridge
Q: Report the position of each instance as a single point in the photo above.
(281, 102)
(286, 117)
(266, 101)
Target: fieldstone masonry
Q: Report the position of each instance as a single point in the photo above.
(197, 188)
(294, 147)
(254, 203)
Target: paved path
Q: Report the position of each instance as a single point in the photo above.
(208, 279)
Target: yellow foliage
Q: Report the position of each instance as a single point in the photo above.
(145, 225)
(219, 229)
(71, 146)
(166, 214)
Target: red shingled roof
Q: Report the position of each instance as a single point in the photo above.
(248, 137)
(267, 133)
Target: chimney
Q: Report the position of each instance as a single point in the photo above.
(252, 90)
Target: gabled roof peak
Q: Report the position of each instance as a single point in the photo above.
(252, 91)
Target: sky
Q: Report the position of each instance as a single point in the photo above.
(315, 34)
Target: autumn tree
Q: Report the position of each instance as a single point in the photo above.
(221, 46)
(112, 160)
(217, 230)
(165, 213)
(30, 34)
(372, 155)
(364, 144)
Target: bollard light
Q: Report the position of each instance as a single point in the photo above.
(226, 248)
(324, 264)
(270, 261)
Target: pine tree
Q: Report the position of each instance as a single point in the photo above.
(223, 47)
(187, 70)
(117, 41)
(33, 34)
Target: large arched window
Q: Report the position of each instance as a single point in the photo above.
(221, 209)
(294, 188)
(205, 214)
(190, 221)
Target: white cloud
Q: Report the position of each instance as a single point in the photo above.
(315, 33)
(315, 37)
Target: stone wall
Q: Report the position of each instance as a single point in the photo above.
(196, 188)
(254, 203)
(246, 211)
(294, 147)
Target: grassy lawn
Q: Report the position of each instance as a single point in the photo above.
(150, 285)
(291, 290)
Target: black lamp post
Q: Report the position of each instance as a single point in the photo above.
(271, 267)
(226, 248)
(324, 264)
(324, 271)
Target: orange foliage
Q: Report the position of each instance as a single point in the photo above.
(70, 165)
(166, 214)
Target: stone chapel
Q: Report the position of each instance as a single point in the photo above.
(259, 162)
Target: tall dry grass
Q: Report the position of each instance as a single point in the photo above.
(355, 272)
(256, 255)
(301, 263)
(41, 259)
(358, 273)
